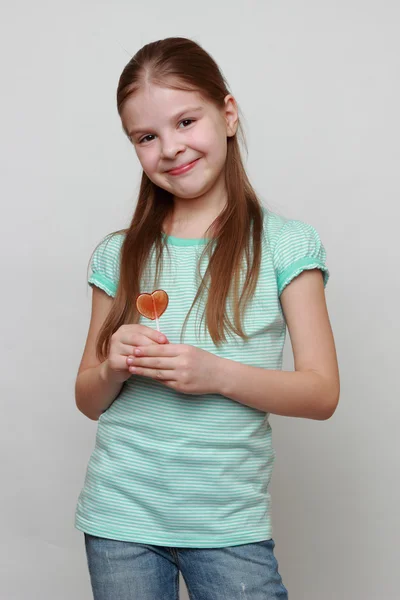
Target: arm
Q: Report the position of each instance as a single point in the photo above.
(95, 388)
(312, 390)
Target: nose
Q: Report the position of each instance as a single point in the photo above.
(171, 146)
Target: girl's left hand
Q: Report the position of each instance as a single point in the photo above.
(184, 368)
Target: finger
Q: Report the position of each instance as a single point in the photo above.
(158, 374)
(163, 363)
(142, 332)
(156, 336)
(157, 350)
(140, 339)
(137, 340)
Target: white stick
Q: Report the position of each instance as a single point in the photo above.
(155, 312)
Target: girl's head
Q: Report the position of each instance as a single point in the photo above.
(170, 128)
(175, 108)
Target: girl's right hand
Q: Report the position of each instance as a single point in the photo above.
(123, 343)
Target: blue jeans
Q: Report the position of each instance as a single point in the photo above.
(133, 571)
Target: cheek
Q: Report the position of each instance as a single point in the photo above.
(211, 142)
(148, 159)
(218, 149)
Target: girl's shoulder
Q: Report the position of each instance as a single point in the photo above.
(105, 262)
(273, 222)
(280, 230)
(111, 244)
(295, 245)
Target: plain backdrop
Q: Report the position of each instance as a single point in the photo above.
(318, 83)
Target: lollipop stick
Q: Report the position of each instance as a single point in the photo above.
(155, 312)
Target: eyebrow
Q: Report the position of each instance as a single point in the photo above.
(174, 118)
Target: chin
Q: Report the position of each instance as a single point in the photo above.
(187, 189)
(189, 195)
(191, 190)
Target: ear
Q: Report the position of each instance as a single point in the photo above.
(230, 115)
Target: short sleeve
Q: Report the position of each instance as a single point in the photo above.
(105, 265)
(298, 248)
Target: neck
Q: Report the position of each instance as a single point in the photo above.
(191, 217)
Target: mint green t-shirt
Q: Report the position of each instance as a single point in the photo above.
(184, 470)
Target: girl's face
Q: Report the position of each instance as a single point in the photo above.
(171, 129)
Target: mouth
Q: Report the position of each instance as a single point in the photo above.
(183, 168)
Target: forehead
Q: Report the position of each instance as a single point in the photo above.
(152, 105)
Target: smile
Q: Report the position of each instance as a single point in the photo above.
(183, 168)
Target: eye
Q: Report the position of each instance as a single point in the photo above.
(145, 138)
(150, 135)
(187, 121)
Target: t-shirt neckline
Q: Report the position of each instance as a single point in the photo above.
(177, 241)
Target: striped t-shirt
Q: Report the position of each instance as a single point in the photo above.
(184, 470)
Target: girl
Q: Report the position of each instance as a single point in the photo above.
(178, 479)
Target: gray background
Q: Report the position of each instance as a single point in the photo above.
(318, 83)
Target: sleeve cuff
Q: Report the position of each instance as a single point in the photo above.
(297, 267)
(103, 283)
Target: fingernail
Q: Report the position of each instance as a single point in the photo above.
(138, 352)
(129, 361)
(161, 338)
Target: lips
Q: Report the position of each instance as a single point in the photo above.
(183, 168)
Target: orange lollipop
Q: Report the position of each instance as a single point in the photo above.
(153, 305)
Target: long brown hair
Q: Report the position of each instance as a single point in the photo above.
(181, 63)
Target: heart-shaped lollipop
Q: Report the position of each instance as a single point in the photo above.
(153, 305)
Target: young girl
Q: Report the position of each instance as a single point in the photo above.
(178, 479)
